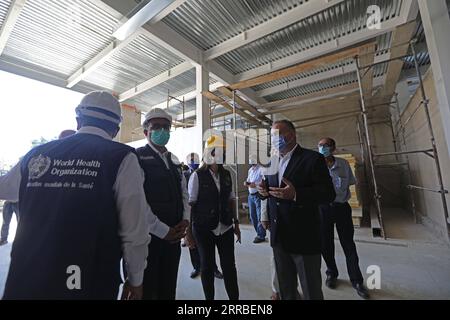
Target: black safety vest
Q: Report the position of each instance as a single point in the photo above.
(68, 221)
(162, 186)
(212, 206)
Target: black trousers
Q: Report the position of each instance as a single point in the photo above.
(8, 209)
(341, 215)
(195, 260)
(291, 267)
(206, 243)
(160, 276)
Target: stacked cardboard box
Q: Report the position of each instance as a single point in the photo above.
(354, 201)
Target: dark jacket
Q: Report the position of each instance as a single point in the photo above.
(295, 225)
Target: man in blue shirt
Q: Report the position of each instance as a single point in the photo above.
(254, 178)
(339, 213)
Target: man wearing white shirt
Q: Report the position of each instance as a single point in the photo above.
(294, 195)
(82, 208)
(166, 192)
(254, 178)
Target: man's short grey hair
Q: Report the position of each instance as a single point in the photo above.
(331, 141)
(288, 123)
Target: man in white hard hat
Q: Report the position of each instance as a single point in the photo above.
(166, 190)
(83, 208)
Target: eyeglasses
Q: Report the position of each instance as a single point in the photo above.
(324, 145)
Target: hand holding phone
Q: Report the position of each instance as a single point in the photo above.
(263, 188)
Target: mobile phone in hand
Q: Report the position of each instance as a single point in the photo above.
(265, 185)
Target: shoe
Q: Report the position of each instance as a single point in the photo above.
(259, 240)
(362, 291)
(3, 242)
(195, 274)
(331, 282)
(218, 274)
(275, 296)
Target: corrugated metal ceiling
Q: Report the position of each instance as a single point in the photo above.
(342, 80)
(60, 35)
(206, 23)
(141, 60)
(176, 87)
(63, 35)
(331, 24)
(382, 41)
(4, 7)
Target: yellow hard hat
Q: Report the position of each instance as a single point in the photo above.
(215, 141)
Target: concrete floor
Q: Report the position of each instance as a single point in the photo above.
(413, 265)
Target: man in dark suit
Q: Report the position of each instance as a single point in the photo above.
(294, 194)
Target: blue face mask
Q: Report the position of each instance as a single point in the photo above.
(325, 150)
(193, 165)
(279, 143)
(160, 137)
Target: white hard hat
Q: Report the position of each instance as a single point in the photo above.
(101, 105)
(156, 113)
(253, 159)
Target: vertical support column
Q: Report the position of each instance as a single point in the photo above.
(203, 121)
(236, 181)
(436, 23)
(131, 121)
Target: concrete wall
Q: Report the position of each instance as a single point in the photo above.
(345, 132)
(429, 205)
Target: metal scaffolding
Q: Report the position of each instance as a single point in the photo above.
(234, 168)
(236, 188)
(181, 102)
(400, 126)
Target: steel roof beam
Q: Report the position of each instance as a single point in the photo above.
(10, 21)
(99, 59)
(292, 103)
(336, 72)
(155, 81)
(116, 45)
(163, 35)
(189, 96)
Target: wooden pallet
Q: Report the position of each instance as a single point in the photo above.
(354, 201)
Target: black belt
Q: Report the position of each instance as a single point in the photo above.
(254, 194)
